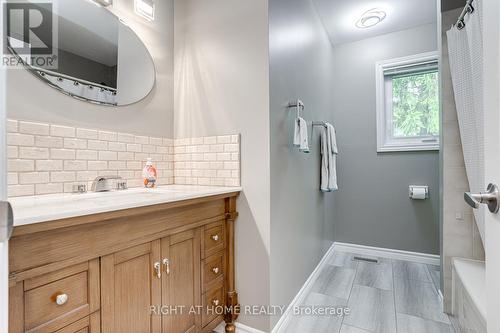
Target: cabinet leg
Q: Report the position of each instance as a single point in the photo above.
(232, 312)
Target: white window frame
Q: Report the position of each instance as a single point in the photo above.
(385, 141)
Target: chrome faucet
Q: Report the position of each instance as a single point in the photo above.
(103, 184)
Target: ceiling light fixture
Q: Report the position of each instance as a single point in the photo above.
(145, 8)
(371, 18)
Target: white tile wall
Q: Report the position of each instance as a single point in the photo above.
(48, 158)
(211, 160)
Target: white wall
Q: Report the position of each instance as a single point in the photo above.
(31, 99)
(222, 87)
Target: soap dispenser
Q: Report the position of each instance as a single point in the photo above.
(149, 174)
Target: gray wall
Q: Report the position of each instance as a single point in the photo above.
(31, 99)
(451, 4)
(222, 87)
(372, 206)
(301, 66)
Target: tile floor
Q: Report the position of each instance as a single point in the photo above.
(390, 296)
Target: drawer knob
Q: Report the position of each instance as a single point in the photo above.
(215, 270)
(62, 299)
(215, 302)
(215, 238)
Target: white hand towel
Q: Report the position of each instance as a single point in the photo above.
(329, 151)
(301, 138)
(324, 160)
(332, 158)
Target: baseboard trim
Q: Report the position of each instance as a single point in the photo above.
(281, 324)
(423, 258)
(240, 328)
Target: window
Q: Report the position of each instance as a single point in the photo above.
(408, 103)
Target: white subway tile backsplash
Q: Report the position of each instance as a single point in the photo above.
(62, 154)
(17, 139)
(86, 176)
(12, 152)
(33, 128)
(33, 153)
(210, 140)
(126, 138)
(97, 145)
(49, 142)
(33, 178)
(125, 156)
(16, 165)
(117, 146)
(75, 143)
(89, 134)
(12, 126)
(86, 155)
(224, 139)
(49, 158)
(12, 178)
(21, 190)
(108, 136)
(50, 188)
(108, 155)
(49, 165)
(208, 160)
(143, 140)
(75, 165)
(64, 131)
(134, 147)
(117, 165)
(97, 165)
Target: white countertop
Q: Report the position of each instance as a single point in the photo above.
(43, 208)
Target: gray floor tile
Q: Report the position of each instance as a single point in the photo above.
(309, 323)
(435, 274)
(352, 329)
(411, 324)
(334, 281)
(343, 259)
(374, 275)
(372, 310)
(411, 271)
(419, 299)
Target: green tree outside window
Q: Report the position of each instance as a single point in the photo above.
(415, 105)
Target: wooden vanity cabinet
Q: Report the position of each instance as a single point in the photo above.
(165, 269)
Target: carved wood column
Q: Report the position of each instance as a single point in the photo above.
(232, 305)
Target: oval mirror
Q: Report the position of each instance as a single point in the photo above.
(82, 50)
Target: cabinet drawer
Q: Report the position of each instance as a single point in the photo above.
(90, 324)
(213, 271)
(213, 239)
(57, 299)
(213, 304)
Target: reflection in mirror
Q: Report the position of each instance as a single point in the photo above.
(97, 57)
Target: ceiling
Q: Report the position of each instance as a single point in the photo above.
(340, 17)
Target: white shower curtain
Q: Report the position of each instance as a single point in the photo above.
(466, 62)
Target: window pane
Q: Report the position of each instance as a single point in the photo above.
(415, 105)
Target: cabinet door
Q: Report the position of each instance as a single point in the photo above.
(130, 286)
(181, 282)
